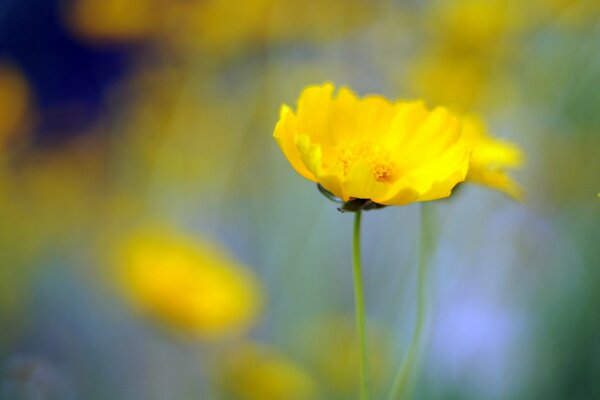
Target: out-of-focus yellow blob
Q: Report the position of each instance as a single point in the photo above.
(191, 285)
(371, 148)
(491, 157)
(471, 40)
(115, 20)
(223, 27)
(177, 136)
(331, 345)
(475, 25)
(216, 27)
(14, 103)
(458, 82)
(257, 372)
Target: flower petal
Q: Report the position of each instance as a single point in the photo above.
(285, 135)
(435, 160)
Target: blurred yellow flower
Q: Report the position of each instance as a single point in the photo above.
(257, 372)
(115, 20)
(191, 285)
(15, 99)
(459, 82)
(469, 26)
(471, 43)
(207, 23)
(491, 157)
(371, 148)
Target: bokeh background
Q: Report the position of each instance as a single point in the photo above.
(138, 175)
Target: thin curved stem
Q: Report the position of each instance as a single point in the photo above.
(399, 387)
(360, 308)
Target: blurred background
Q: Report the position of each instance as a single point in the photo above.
(155, 243)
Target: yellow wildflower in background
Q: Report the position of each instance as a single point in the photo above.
(470, 44)
(490, 158)
(15, 98)
(475, 26)
(207, 24)
(371, 148)
(115, 20)
(191, 285)
(458, 81)
(257, 372)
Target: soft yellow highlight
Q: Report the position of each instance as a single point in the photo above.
(330, 344)
(223, 27)
(190, 285)
(14, 103)
(257, 372)
(471, 41)
(371, 148)
(459, 82)
(115, 20)
(469, 26)
(490, 159)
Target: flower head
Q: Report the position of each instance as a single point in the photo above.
(490, 158)
(190, 285)
(392, 153)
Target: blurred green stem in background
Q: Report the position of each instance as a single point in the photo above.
(360, 308)
(400, 384)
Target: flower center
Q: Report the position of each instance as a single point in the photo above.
(382, 171)
(375, 157)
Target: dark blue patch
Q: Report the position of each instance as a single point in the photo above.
(62, 70)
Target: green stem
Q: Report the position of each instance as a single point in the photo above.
(360, 308)
(399, 387)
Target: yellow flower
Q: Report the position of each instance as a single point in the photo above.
(371, 148)
(490, 158)
(191, 285)
(257, 372)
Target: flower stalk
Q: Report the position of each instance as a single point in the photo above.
(360, 308)
(400, 384)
